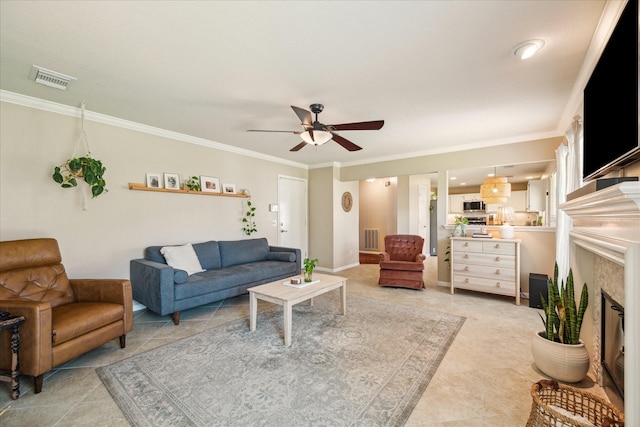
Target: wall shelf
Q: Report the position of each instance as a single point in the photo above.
(143, 187)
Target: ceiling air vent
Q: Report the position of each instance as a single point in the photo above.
(50, 78)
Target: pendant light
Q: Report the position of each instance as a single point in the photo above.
(495, 189)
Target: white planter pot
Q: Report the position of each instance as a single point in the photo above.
(563, 362)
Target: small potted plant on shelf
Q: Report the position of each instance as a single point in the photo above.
(86, 168)
(558, 350)
(309, 265)
(192, 184)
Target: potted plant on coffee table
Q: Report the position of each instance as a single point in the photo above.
(309, 265)
(557, 350)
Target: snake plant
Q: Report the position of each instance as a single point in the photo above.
(562, 319)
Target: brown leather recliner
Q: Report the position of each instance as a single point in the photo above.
(63, 318)
(402, 263)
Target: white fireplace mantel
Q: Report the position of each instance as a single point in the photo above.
(607, 223)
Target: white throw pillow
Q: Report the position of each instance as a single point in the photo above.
(183, 258)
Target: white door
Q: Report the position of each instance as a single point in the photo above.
(423, 220)
(292, 213)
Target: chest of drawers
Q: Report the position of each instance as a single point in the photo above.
(486, 265)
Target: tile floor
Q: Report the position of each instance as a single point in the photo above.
(484, 379)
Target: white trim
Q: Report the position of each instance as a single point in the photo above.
(53, 107)
(335, 270)
(607, 223)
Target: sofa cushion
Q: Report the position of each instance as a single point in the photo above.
(237, 275)
(180, 276)
(281, 256)
(401, 265)
(73, 320)
(208, 254)
(243, 251)
(183, 258)
(152, 253)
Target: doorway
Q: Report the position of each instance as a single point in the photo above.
(292, 213)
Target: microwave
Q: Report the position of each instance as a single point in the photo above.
(474, 206)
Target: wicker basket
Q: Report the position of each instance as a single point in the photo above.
(560, 405)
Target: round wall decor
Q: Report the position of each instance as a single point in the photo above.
(347, 201)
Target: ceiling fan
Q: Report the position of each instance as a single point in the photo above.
(316, 133)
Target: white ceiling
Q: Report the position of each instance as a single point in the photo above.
(440, 73)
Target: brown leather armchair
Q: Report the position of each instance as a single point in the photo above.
(63, 318)
(402, 263)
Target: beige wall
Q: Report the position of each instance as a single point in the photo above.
(333, 233)
(100, 241)
(378, 208)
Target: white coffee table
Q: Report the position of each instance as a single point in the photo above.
(277, 293)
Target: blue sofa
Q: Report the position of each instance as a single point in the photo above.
(231, 267)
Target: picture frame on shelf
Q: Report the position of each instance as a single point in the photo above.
(229, 189)
(153, 180)
(210, 184)
(172, 181)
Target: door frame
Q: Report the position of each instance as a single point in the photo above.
(305, 203)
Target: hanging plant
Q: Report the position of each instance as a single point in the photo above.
(86, 168)
(248, 220)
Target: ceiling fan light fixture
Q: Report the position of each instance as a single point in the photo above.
(319, 137)
(526, 50)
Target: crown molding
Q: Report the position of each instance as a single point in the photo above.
(66, 110)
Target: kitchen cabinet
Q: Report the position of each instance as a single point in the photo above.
(455, 203)
(536, 195)
(518, 201)
(486, 265)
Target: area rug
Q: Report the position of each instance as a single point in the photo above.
(368, 368)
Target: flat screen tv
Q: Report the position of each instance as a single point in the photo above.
(611, 101)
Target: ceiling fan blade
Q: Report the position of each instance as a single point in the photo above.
(299, 146)
(303, 115)
(373, 125)
(281, 131)
(346, 143)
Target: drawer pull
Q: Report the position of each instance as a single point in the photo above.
(466, 256)
(466, 244)
(466, 268)
(498, 271)
(466, 280)
(498, 259)
(497, 245)
(497, 284)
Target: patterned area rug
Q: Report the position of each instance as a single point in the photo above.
(368, 368)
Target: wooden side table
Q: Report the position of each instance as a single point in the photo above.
(7, 321)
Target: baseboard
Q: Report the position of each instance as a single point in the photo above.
(443, 284)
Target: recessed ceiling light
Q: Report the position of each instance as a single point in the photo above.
(527, 49)
(453, 178)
